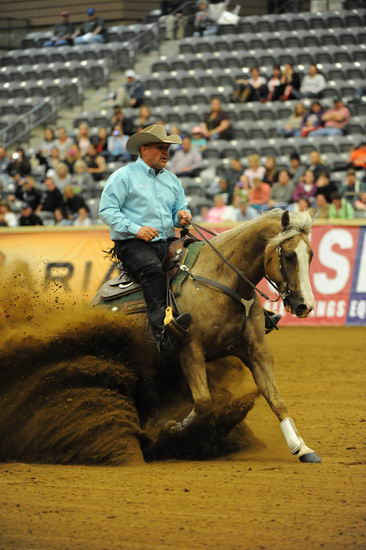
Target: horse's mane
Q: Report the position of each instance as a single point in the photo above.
(300, 222)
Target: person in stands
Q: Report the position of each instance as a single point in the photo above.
(335, 120)
(63, 32)
(312, 84)
(251, 89)
(187, 161)
(28, 217)
(340, 208)
(92, 31)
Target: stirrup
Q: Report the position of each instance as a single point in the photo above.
(177, 325)
(270, 324)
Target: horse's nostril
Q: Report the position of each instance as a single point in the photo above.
(301, 308)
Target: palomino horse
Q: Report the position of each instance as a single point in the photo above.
(275, 245)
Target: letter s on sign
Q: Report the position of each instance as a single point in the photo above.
(329, 258)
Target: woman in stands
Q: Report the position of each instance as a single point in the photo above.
(271, 172)
(312, 119)
(290, 83)
(306, 188)
(274, 84)
(217, 124)
(62, 176)
(255, 170)
(293, 124)
(63, 142)
(82, 180)
(72, 155)
(82, 138)
(144, 118)
(19, 166)
(101, 142)
(253, 89)
(47, 144)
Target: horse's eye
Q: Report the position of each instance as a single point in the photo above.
(290, 257)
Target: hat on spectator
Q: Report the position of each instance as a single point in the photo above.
(130, 74)
(198, 130)
(25, 205)
(155, 133)
(64, 13)
(90, 11)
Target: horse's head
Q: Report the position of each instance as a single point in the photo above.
(287, 260)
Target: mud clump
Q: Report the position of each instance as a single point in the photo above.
(80, 385)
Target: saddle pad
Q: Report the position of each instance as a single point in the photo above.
(193, 252)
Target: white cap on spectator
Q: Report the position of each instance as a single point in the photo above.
(130, 74)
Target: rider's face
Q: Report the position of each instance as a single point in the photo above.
(155, 155)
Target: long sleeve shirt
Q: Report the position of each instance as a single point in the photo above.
(313, 84)
(135, 196)
(182, 160)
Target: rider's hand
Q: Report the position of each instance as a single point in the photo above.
(147, 233)
(184, 217)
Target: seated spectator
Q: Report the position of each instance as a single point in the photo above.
(174, 22)
(198, 139)
(63, 142)
(300, 206)
(317, 165)
(119, 117)
(62, 177)
(220, 187)
(282, 191)
(143, 119)
(296, 169)
(101, 142)
(82, 138)
(51, 197)
(19, 166)
(26, 191)
(271, 172)
(312, 84)
(28, 217)
(360, 202)
(63, 32)
(47, 144)
(325, 187)
(306, 188)
(234, 172)
(203, 24)
(217, 124)
(340, 208)
(72, 203)
(255, 170)
(96, 163)
(117, 145)
(243, 212)
(293, 123)
(132, 94)
(82, 180)
(312, 119)
(358, 156)
(187, 161)
(53, 160)
(259, 195)
(274, 84)
(252, 89)
(335, 120)
(72, 155)
(359, 93)
(322, 206)
(352, 185)
(7, 215)
(92, 30)
(83, 218)
(59, 218)
(220, 212)
(290, 83)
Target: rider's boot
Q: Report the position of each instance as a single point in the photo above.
(175, 327)
(270, 323)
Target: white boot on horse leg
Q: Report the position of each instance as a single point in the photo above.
(296, 444)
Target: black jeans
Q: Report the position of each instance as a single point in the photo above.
(144, 263)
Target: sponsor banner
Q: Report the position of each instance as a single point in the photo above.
(357, 302)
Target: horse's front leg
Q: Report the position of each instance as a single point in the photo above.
(259, 359)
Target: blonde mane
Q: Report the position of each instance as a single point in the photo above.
(300, 222)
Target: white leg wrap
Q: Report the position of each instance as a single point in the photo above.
(293, 440)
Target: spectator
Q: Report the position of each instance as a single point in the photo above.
(26, 191)
(96, 163)
(293, 123)
(260, 194)
(306, 188)
(101, 142)
(312, 119)
(340, 208)
(217, 124)
(203, 24)
(72, 155)
(53, 160)
(234, 172)
(187, 161)
(51, 197)
(19, 165)
(322, 206)
(243, 212)
(301, 205)
(252, 89)
(317, 166)
(62, 176)
(92, 30)
(117, 145)
(72, 202)
(63, 32)
(220, 212)
(296, 169)
(82, 138)
(360, 92)
(82, 180)
(63, 142)
(132, 94)
(47, 144)
(175, 22)
(59, 218)
(358, 156)
(28, 217)
(274, 84)
(282, 191)
(4, 161)
(7, 215)
(221, 187)
(198, 139)
(325, 187)
(360, 203)
(143, 119)
(254, 171)
(83, 218)
(352, 186)
(312, 85)
(290, 83)
(271, 172)
(120, 118)
(335, 120)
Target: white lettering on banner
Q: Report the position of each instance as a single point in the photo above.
(330, 309)
(357, 309)
(329, 258)
(361, 279)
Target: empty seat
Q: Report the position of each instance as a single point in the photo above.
(347, 38)
(329, 39)
(334, 21)
(317, 22)
(291, 40)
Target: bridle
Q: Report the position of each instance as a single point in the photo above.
(283, 290)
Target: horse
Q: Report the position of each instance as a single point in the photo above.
(274, 245)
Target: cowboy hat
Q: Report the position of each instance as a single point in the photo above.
(155, 133)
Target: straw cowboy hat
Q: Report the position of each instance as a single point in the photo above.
(155, 133)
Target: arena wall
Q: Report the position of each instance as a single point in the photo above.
(74, 258)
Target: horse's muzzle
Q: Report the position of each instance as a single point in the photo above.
(294, 303)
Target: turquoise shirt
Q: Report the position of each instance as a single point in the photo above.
(135, 195)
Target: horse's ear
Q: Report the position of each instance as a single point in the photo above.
(285, 220)
(312, 212)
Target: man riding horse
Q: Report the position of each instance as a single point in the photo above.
(142, 203)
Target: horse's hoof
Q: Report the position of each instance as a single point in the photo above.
(173, 427)
(310, 458)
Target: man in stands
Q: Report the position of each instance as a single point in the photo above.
(217, 124)
(28, 217)
(335, 120)
(132, 94)
(142, 202)
(312, 85)
(63, 31)
(187, 161)
(95, 162)
(92, 30)
(51, 197)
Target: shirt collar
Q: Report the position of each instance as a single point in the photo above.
(148, 168)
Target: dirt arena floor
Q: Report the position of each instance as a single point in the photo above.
(257, 498)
